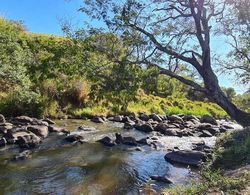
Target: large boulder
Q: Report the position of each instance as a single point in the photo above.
(41, 131)
(144, 127)
(39, 122)
(107, 141)
(208, 119)
(2, 119)
(26, 139)
(186, 157)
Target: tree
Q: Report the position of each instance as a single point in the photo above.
(165, 34)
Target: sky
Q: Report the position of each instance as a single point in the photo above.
(46, 16)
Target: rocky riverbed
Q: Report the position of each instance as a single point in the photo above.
(100, 153)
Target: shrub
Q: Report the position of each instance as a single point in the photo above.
(22, 103)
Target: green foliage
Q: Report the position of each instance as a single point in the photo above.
(243, 101)
(231, 147)
(22, 103)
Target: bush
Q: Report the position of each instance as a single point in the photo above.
(22, 103)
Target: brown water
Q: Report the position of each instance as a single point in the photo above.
(89, 168)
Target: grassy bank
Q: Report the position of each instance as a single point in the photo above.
(149, 104)
(228, 172)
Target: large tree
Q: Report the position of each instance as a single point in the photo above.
(168, 34)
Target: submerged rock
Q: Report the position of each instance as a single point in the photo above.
(74, 138)
(86, 128)
(186, 157)
(163, 179)
(22, 156)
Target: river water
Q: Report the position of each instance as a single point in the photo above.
(90, 168)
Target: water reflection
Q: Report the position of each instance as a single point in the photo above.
(89, 168)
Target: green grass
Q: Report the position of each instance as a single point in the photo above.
(149, 104)
(233, 150)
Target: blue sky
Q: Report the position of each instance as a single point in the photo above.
(44, 16)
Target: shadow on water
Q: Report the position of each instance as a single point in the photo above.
(89, 168)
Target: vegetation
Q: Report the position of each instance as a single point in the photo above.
(55, 76)
(225, 172)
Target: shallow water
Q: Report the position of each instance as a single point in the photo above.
(89, 168)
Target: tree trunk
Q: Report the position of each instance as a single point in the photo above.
(214, 91)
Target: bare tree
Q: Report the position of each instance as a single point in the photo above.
(170, 33)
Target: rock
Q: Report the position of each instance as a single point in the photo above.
(49, 121)
(3, 142)
(208, 119)
(41, 131)
(126, 119)
(131, 141)
(86, 128)
(164, 129)
(129, 125)
(205, 133)
(186, 157)
(175, 119)
(163, 179)
(39, 122)
(125, 140)
(27, 139)
(144, 127)
(156, 117)
(4, 127)
(97, 120)
(74, 138)
(22, 156)
(107, 141)
(53, 129)
(144, 117)
(2, 119)
(190, 118)
(23, 119)
(116, 118)
(144, 141)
